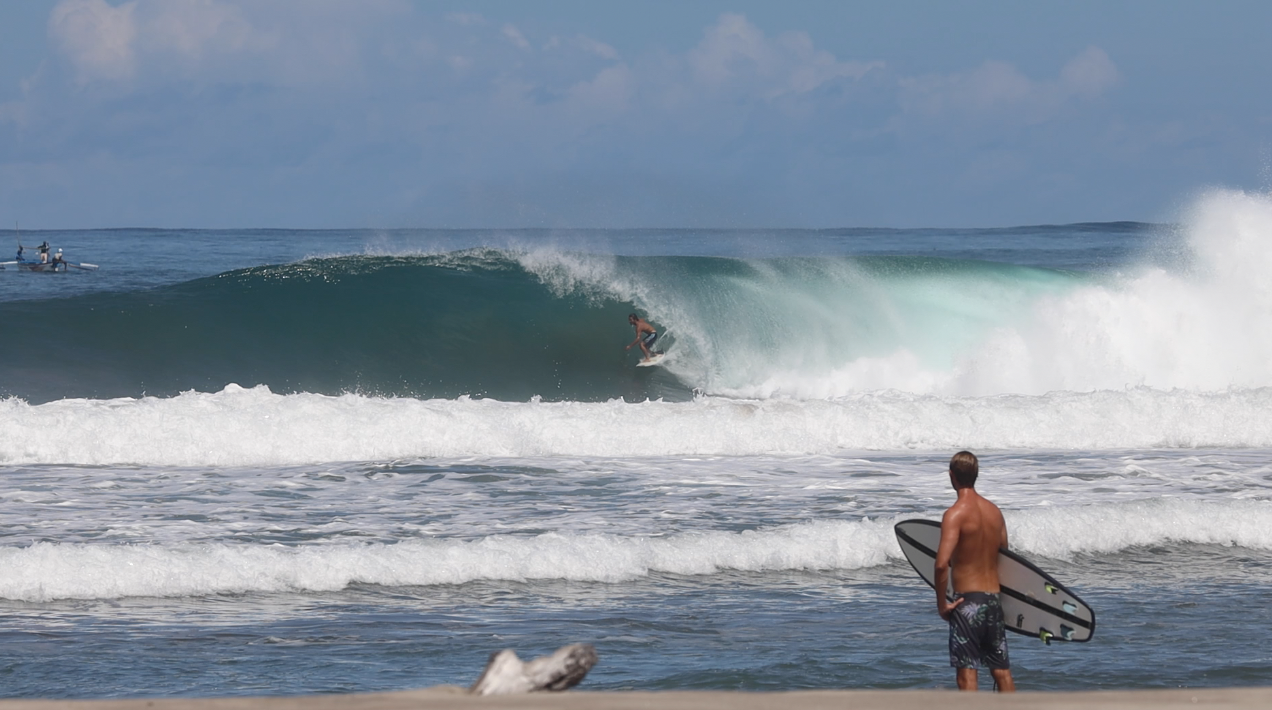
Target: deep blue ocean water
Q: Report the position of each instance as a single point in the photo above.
(283, 462)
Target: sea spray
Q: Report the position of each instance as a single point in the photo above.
(816, 328)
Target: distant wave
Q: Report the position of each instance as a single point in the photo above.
(254, 427)
(47, 571)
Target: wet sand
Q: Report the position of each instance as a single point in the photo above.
(451, 697)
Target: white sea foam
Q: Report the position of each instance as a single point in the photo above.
(834, 330)
(46, 571)
(245, 427)
(1207, 329)
(1061, 532)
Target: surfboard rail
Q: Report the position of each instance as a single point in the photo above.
(1034, 604)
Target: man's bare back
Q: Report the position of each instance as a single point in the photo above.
(972, 532)
(975, 529)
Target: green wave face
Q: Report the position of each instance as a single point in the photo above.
(489, 323)
(746, 322)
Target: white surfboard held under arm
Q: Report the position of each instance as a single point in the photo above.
(1034, 603)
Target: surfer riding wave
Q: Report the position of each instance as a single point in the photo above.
(645, 335)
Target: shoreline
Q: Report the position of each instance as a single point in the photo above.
(439, 698)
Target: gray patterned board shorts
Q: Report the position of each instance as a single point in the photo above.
(977, 635)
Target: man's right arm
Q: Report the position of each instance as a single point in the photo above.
(1002, 545)
(944, 557)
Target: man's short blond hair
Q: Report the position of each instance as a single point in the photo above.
(965, 469)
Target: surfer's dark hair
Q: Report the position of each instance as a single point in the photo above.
(632, 315)
(965, 468)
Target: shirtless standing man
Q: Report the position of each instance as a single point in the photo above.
(972, 531)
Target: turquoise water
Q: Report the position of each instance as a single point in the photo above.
(277, 462)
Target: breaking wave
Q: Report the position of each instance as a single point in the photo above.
(47, 571)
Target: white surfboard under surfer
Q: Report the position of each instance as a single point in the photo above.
(646, 335)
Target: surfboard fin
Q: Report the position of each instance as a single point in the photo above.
(1051, 588)
(1045, 636)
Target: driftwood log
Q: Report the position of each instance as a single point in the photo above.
(506, 674)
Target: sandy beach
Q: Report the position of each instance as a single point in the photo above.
(453, 697)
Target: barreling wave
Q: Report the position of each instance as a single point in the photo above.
(515, 324)
(468, 323)
(48, 571)
(254, 427)
(512, 325)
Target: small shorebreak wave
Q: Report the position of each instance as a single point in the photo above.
(49, 571)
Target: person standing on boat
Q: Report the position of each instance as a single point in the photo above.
(44, 253)
(20, 258)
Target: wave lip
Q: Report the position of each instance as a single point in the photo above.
(48, 571)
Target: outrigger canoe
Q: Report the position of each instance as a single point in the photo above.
(49, 267)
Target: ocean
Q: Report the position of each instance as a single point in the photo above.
(248, 462)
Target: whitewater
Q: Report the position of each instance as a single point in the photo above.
(243, 427)
(299, 461)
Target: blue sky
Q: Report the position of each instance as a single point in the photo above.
(391, 113)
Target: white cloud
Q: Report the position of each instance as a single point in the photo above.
(609, 92)
(998, 90)
(469, 96)
(228, 41)
(585, 43)
(96, 37)
(1091, 73)
(600, 49)
(191, 28)
(514, 35)
(726, 45)
(735, 53)
(115, 43)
